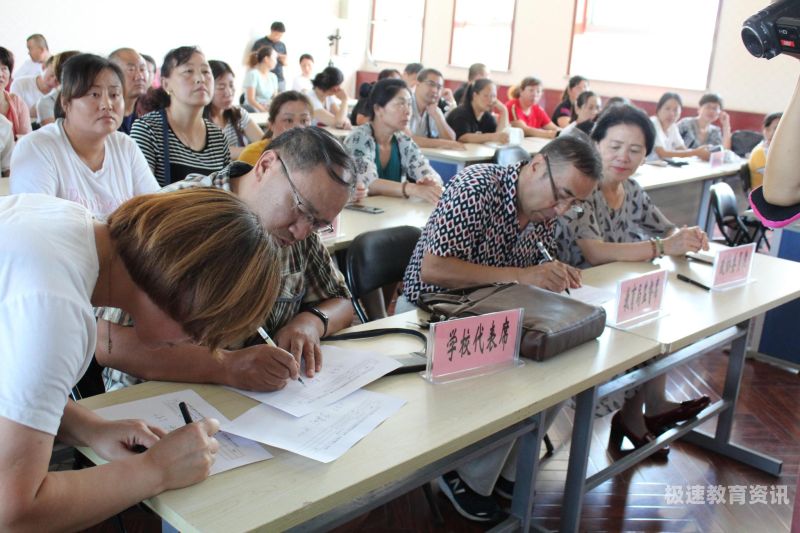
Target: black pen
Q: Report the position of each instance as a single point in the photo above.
(268, 340)
(187, 417)
(547, 257)
(693, 282)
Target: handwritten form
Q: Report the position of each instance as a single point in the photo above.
(324, 435)
(162, 411)
(343, 372)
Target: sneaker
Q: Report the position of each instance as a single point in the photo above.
(504, 488)
(469, 503)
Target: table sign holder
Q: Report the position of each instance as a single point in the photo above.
(473, 346)
(639, 300)
(732, 267)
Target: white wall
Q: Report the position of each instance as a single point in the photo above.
(156, 26)
(541, 47)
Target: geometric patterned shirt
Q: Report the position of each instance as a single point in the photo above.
(476, 221)
(308, 274)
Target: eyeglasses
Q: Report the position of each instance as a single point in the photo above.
(567, 199)
(304, 208)
(433, 85)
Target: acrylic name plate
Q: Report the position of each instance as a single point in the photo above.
(732, 266)
(472, 346)
(639, 299)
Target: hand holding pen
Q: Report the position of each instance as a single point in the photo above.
(269, 342)
(560, 270)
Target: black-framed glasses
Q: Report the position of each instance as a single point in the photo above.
(303, 207)
(568, 200)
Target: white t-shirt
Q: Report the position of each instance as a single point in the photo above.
(669, 140)
(27, 89)
(48, 271)
(302, 84)
(45, 162)
(6, 143)
(28, 68)
(327, 105)
(46, 106)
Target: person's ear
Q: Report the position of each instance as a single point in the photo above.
(264, 163)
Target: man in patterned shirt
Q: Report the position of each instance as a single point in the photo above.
(297, 188)
(484, 230)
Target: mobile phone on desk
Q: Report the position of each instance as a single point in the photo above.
(675, 162)
(364, 208)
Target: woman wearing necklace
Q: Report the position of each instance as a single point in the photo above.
(387, 161)
(176, 140)
(82, 157)
(619, 222)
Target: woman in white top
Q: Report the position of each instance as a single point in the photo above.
(260, 84)
(236, 124)
(302, 83)
(329, 99)
(82, 157)
(189, 266)
(669, 142)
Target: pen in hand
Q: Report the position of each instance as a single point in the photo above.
(187, 417)
(547, 257)
(268, 340)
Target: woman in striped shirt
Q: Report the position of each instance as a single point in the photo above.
(176, 140)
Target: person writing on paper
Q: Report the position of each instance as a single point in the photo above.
(617, 220)
(700, 131)
(297, 187)
(669, 142)
(387, 161)
(524, 110)
(192, 267)
(484, 230)
(620, 222)
(288, 110)
(473, 121)
(428, 127)
(587, 107)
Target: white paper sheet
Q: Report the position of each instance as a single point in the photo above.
(324, 435)
(343, 372)
(163, 411)
(591, 295)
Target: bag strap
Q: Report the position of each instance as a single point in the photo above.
(165, 143)
(371, 333)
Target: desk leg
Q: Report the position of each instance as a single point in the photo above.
(721, 441)
(527, 467)
(578, 460)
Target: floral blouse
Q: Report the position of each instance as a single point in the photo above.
(360, 144)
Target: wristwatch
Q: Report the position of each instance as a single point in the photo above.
(322, 316)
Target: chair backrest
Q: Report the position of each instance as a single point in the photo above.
(726, 215)
(378, 258)
(508, 155)
(743, 141)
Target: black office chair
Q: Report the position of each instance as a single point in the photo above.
(743, 141)
(736, 229)
(376, 259)
(508, 155)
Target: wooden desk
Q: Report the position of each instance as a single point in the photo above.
(439, 428)
(696, 322)
(668, 187)
(397, 212)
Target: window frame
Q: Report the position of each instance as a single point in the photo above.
(510, 43)
(372, 35)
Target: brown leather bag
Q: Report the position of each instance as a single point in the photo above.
(552, 323)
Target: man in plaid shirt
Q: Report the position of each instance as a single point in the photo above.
(297, 188)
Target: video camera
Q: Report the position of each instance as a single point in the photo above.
(773, 30)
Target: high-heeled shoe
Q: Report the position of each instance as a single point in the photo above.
(620, 430)
(658, 424)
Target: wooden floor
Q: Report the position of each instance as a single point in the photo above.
(767, 419)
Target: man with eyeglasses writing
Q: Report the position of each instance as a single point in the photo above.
(427, 125)
(297, 188)
(485, 229)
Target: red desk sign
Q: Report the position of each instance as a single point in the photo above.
(475, 345)
(717, 159)
(640, 297)
(732, 265)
